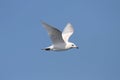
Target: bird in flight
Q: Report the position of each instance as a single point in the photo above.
(58, 38)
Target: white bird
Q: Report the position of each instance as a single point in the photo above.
(59, 39)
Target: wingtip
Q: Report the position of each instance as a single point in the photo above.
(42, 21)
(69, 23)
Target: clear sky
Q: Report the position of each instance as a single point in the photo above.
(97, 33)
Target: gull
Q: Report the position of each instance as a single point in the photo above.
(58, 38)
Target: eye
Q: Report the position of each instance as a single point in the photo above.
(72, 45)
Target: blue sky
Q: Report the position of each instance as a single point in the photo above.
(97, 33)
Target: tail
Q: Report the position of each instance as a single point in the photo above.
(46, 49)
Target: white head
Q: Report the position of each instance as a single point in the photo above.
(71, 45)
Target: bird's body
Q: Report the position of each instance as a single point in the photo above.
(59, 39)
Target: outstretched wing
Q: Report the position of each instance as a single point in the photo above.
(67, 32)
(55, 34)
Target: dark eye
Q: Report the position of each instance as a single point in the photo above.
(72, 45)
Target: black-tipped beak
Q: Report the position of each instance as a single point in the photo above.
(77, 47)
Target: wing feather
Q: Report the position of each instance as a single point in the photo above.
(67, 32)
(54, 33)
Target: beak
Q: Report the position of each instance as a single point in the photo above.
(77, 47)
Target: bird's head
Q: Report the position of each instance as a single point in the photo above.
(72, 45)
